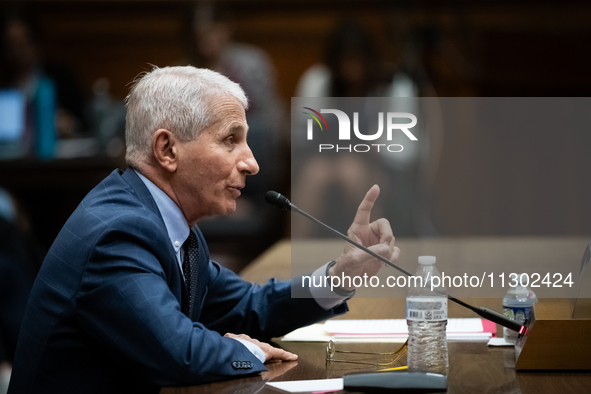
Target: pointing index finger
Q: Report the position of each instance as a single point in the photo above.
(364, 210)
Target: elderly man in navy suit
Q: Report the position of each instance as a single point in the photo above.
(127, 299)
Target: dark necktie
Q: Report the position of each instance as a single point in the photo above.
(191, 267)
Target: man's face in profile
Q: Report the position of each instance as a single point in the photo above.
(212, 168)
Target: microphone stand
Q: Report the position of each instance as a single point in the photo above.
(280, 201)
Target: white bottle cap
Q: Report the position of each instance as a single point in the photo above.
(427, 260)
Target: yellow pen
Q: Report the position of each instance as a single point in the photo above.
(393, 369)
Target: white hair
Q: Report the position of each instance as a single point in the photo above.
(177, 99)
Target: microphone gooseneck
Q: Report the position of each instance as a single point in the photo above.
(280, 201)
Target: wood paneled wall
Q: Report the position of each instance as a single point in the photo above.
(487, 49)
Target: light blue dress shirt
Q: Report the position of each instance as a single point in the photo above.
(178, 232)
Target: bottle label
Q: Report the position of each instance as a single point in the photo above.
(519, 313)
(425, 308)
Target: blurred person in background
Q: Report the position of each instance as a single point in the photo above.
(23, 67)
(353, 67)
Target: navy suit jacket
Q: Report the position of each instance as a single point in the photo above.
(108, 311)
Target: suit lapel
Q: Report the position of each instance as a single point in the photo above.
(147, 200)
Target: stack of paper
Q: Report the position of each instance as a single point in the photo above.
(387, 330)
(457, 329)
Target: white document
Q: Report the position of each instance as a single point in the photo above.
(457, 329)
(313, 333)
(299, 386)
(498, 342)
(382, 330)
(316, 333)
(381, 327)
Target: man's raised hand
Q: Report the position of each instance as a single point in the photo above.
(376, 236)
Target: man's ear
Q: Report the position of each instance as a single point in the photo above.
(165, 150)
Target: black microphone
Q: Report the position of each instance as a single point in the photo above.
(278, 200)
(282, 202)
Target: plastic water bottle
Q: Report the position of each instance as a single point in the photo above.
(426, 317)
(518, 304)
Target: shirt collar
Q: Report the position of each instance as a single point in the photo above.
(176, 224)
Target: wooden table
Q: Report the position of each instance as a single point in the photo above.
(474, 367)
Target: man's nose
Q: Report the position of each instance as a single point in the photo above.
(248, 164)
